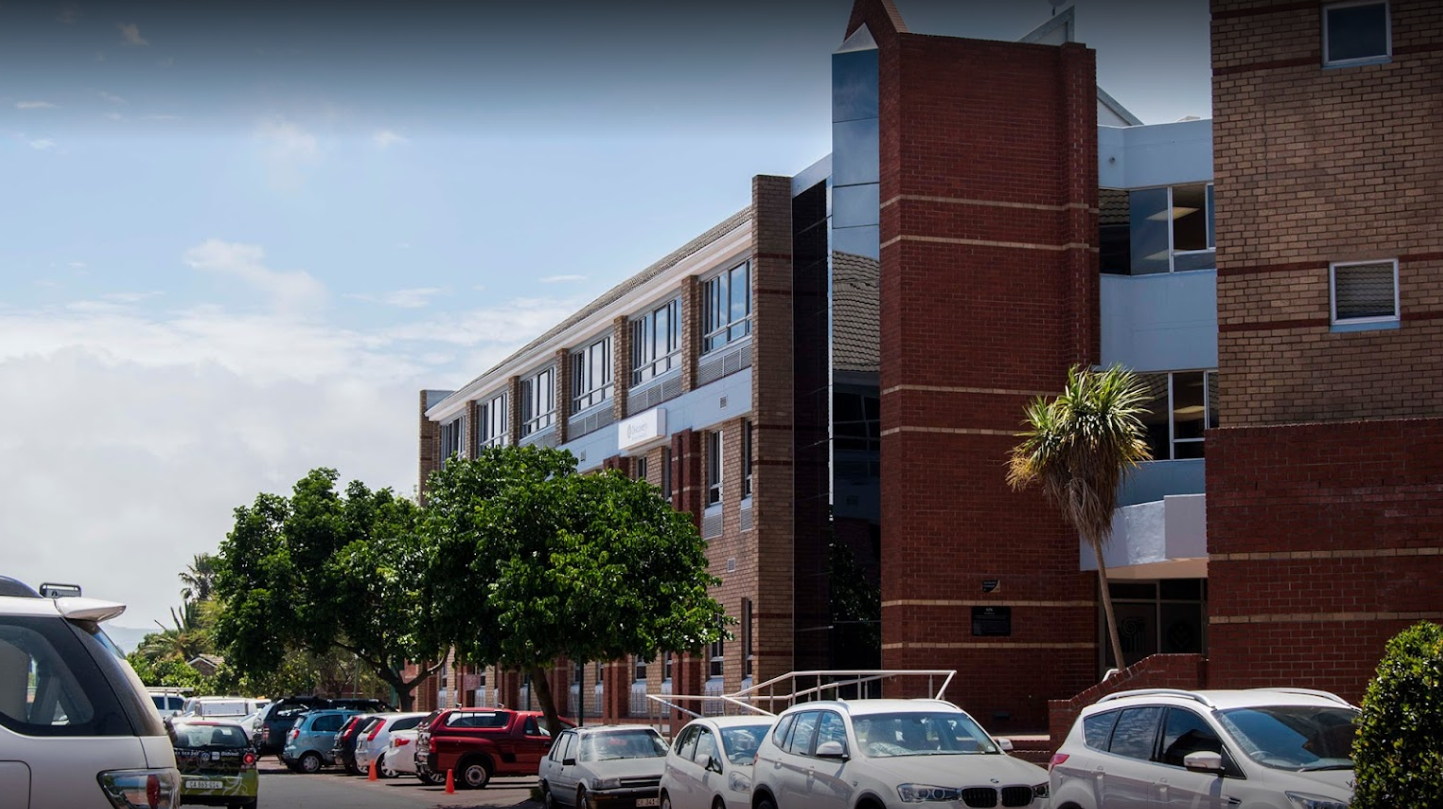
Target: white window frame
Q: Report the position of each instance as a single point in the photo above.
(717, 660)
(646, 364)
(718, 334)
(1387, 56)
(586, 390)
(1172, 439)
(453, 438)
(1333, 294)
(491, 431)
(533, 418)
(715, 468)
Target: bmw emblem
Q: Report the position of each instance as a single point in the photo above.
(995, 781)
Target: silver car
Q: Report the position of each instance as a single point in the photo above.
(603, 765)
(710, 763)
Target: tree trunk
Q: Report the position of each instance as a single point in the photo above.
(1112, 635)
(541, 687)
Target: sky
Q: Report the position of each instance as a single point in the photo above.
(237, 239)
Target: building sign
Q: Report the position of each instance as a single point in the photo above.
(641, 429)
(992, 621)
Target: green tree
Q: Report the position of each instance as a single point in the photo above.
(1079, 447)
(1398, 752)
(198, 579)
(323, 571)
(530, 562)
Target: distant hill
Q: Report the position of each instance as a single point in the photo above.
(125, 637)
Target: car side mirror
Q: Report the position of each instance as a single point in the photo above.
(831, 750)
(1203, 761)
(706, 761)
(1005, 745)
(568, 762)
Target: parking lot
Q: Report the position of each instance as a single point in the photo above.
(333, 789)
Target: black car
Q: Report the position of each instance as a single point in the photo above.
(344, 750)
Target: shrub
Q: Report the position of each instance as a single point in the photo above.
(1398, 752)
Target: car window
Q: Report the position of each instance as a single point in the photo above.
(831, 729)
(327, 724)
(406, 723)
(740, 743)
(1294, 737)
(705, 746)
(1185, 732)
(920, 733)
(50, 684)
(800, 741)
(477, 719)
(534, 728)
(686, 742)
(160, 703)
(562, 749)
(220, 736)
(1135, 732)
(1097, 729)
(779, 736)
(622, 744)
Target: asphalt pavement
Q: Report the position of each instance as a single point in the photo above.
(331, 788)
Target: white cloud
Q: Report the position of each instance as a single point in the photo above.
(130, 35)
(288, 149)
(36, 105)
(114, 116)
(402, 298)
(385, 138)
(41, 144)
(79, 265)
(288, 292)
(111, 97)
(562, 279)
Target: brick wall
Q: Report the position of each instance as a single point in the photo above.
(429, 449)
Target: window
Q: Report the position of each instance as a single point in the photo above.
(1185, 732)
(600, 673)
(1097, 729)
(1136, 730)
(1356, 34)
(492, 424)
(538, 402)
(666, 473)
(726, 308)
(591, 375)
(641, 468)
(706, 746)
(779, 735)
(746, 459)
(718, 658)
(451, 437)
(1180, 406)
(639, 668)
(831, 729)
(656, 342)
(686, 743)
(747, 654)
(800, 741)
(666, 666)
(857, 422)
(1364, 292)
(1172, 229)
(713, 468)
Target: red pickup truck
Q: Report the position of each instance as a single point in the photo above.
(479, 743)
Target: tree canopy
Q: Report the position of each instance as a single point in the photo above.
(323, 571)
(528, 562)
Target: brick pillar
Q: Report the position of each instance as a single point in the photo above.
(687, 485)
(429, 435)
(508, 688)
(563, 395)
(688, 678)
(690, 331)
(473, 429)
(513, 413)
(620, 365)
(561, 676)
(619, 462)
(617, 687)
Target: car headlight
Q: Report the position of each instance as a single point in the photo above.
(739, 782)
(1040, 791)
(923, 793)
(605, 783)
(1305, 801)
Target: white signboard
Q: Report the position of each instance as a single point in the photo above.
(641, 429)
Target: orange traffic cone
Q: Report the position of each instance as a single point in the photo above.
(371, 776)
(450, 782)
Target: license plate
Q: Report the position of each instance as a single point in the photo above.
(648, 801)
(204, 785)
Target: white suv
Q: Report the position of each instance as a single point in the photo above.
(1264, 748)
(887, 754)
(77, 729)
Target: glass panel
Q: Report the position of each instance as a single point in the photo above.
(1212, 227)
(741, 290)
(800, 742)
(1184, 733)
(1364, 290)
(854, 85)
(1115, 249)
(1096, 729)
(1136, 730)
(1204, 260)
(1182, 628)
(1188, 405)
(1213, 421)
(1357, 32)
(1148, 215)
(1154, 419)
(1189, 218)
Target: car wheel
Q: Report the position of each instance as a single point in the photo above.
(548, 801)
(475, 774)
(311, 763)
(384, 768)
(352, 769)
(766, 803)
(433, 778)
(665, 801)
(581, 798)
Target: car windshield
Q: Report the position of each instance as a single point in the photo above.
(622, 744)
(221, 736)
(929, 733)
(741, 742)
(1294, 737)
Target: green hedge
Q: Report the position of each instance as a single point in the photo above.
(1398, 752)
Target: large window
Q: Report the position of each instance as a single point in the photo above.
(748, 656)
(857, 422)
(746, 459)
(538, 402)
(1172, 229)
(726, 308)
(452, 433)
(1356, 33)
(1180, 406)
(492, 423)
(666, 472)
(1364, 292)
(656, 342)
(713, 468)
(591, 375)
(717, 661)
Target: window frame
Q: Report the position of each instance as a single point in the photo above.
(1385, 57)
(453, 437)
(1172, 439)
(646, 363)
(1361, 321)
(487, 422)
(533, 422)
(747, 460)
(587, 392)
(717, 334)
(715, 468)
(666, 472)
(716, 662)
(639, 468)
(1208, 211)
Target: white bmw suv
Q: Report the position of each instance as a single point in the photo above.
(77, 729)
(888, 754)
(1264, 748)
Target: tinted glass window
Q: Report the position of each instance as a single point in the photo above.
(563, 748)
(741, 743)
(1184, 733)
(1292, 737)
(779, 736)
(406, 724)
(805, 728)
(1357, 31)
(831, 729)
(686, 740)
(329, 723)
(1135, 732)
(1097, 728)
(531, 728)
(223, 736)
(51, 684)
(705, 746)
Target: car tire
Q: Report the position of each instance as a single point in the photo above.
(766, 803)
(384, 768)
(581, 798)
(475, 773)
(310, 763)
(352, 769)
(431, 778)
(548, 801)
(665, 800)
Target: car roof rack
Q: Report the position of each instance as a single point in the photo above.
(1158, 692)
(1311, 692)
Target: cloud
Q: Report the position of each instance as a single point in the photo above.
(36, 105)
(130, 35)
(133, 297)
(385, 138)
(41, 144)
(288, 149)
(402, 298)
(79, 265)
(562, 279)
(287, 292)
(111, 97)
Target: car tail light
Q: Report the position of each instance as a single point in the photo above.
(295, 734)
(399, 741)
(248, 760)
(375, 732)
(1057, 758)
(141, 789)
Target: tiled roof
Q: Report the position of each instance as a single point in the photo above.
(856, 331)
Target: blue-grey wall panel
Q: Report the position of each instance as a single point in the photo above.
(1156, 155)
(1154, 480)
(1162, 322)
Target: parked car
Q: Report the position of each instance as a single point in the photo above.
(167, 703)
(280, 717)
(603, 765)
(212, 707)
(77, 728)
(1265, 748)
(710, 763)
(375, 739)
(478, 743)
(217, 763)
(309, 744)
(344, 751)
(400, 755)
(888, 753)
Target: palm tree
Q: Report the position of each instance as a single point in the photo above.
(1080, 447)
(198, 578)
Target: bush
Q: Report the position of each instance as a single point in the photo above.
(1398, 752)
